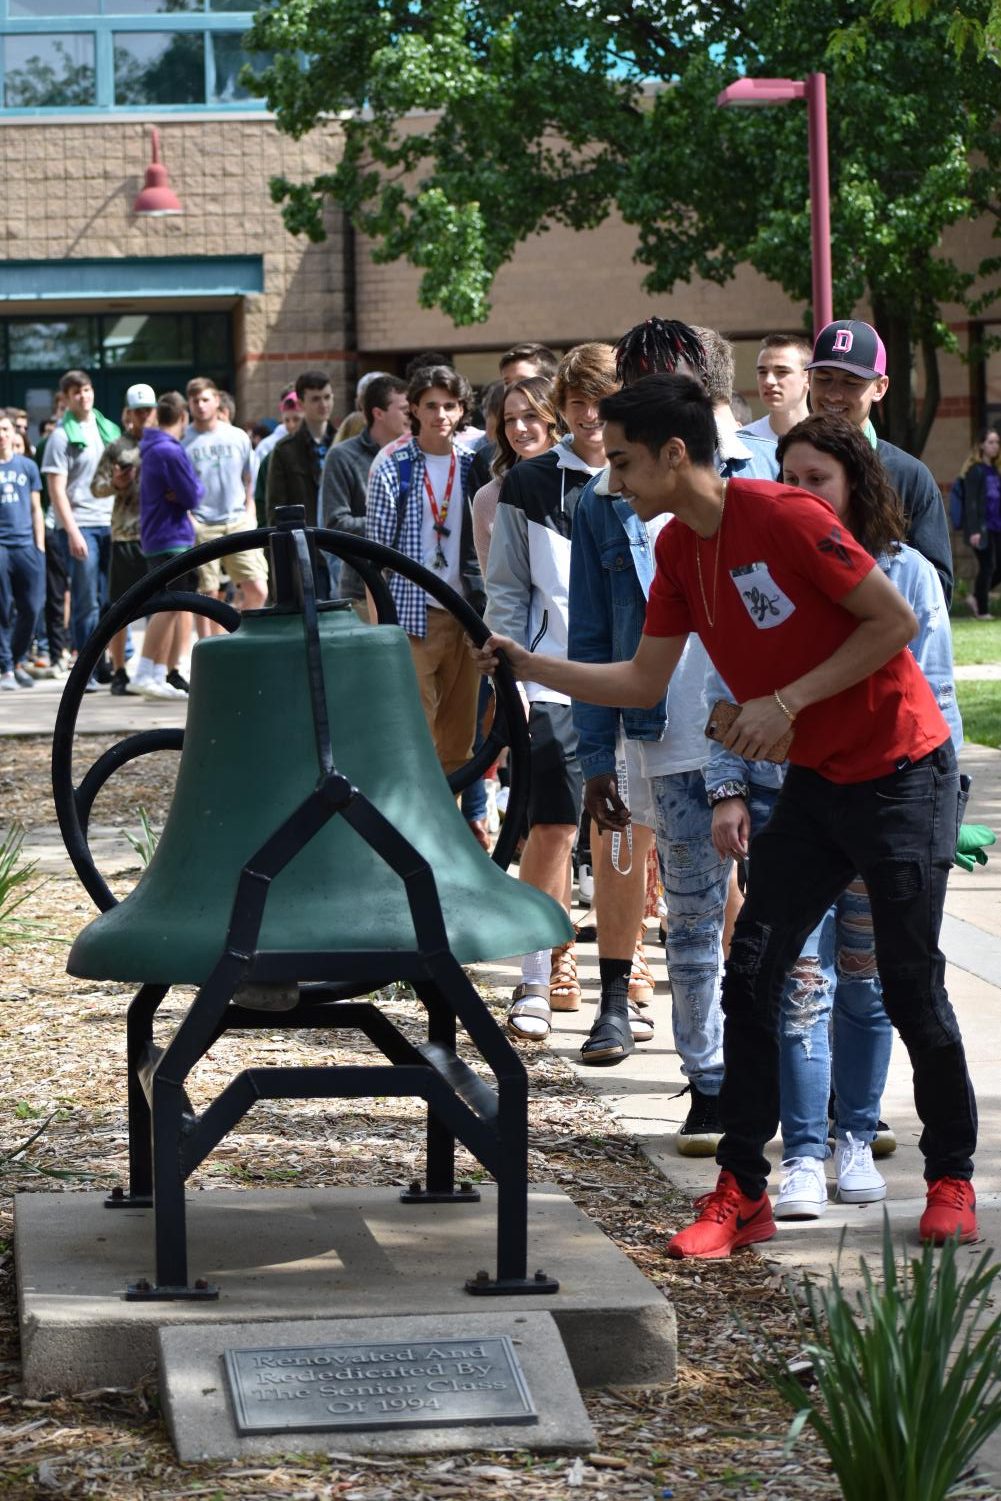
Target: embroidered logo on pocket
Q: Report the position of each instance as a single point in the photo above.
(761, 596)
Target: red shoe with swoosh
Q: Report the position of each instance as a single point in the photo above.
(727, 1220)
(951, 1210)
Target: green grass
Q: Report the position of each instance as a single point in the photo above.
(980, 706)
(975, 642)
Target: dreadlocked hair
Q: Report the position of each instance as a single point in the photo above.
(656, 347)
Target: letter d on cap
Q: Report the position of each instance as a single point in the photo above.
(843, 341)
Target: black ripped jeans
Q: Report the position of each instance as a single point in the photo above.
(898, 833)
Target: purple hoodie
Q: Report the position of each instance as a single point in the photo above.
(168, 489)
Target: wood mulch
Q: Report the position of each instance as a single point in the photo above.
(718, 1432)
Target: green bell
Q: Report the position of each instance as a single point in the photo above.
(249, 760)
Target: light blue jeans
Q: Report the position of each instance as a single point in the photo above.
(695, 886)
(833, 989)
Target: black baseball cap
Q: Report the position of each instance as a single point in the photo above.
(850, 345)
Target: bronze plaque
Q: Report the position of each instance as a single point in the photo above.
(425, 1383)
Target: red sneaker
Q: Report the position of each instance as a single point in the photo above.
(727, 1220)
(951, 1210)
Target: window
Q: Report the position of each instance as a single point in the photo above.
(228, 58)
(50, 71)
(146, 339)
(61, 343)
(125, 54)
(17, 9)
(160, 67)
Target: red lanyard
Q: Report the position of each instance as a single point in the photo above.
(440, 517)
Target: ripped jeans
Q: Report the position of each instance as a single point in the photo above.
(695, 886)
(835, 973)
(898, 832)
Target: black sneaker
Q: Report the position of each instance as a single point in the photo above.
(701, 1133)
(177, 680)
(104, 671)
(119, 684)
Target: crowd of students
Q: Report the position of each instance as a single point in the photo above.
(809, 619)
(643, 570)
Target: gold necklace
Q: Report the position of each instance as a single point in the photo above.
(711, 617)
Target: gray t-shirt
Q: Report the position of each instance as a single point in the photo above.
(79, 465)
(222, 462)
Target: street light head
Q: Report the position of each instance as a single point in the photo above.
(751, 91)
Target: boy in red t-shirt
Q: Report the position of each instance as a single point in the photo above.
(809, 633)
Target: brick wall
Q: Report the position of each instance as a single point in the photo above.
(88, 174)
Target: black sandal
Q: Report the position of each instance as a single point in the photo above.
(610, 1039)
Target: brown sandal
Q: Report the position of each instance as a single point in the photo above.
(641, 980)
(564, 988)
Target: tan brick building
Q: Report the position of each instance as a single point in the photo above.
(223, 289)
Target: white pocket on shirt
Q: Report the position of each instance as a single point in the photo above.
(761, 596)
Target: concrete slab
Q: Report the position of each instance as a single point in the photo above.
(301, 1254)
(198, 1406)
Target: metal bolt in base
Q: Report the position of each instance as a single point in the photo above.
(418, 1194)
(483, 1285)
(144, 1291)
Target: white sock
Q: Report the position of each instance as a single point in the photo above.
(159, 672)
(536, 968)
(145, 668)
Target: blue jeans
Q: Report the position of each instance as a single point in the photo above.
(695, 885)
(898, 833)
(22, 590)
(835, 975)
(88, 579)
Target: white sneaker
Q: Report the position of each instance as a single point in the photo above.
(585, 885)
(858, 1180)
(8, 682)
(802, 1191)
(150, 688)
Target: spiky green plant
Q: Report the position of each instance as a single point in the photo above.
(907, 1374)
(15, 889)
(145, 842)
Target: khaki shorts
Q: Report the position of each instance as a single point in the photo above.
(240, 567)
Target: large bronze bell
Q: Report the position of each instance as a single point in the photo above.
(313, 852)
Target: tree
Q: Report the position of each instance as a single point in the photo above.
(470, 124)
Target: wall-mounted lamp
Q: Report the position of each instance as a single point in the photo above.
(157, 197)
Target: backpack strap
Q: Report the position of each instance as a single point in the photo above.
(404, 470)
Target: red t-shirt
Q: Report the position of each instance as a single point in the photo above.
(785, 561)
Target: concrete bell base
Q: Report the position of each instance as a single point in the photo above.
(306, 1254)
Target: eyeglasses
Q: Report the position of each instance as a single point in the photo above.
(117, 464)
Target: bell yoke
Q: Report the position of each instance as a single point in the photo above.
(289, 885)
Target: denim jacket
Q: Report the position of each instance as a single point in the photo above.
(611, 570)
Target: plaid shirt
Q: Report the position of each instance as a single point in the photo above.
(384, 523)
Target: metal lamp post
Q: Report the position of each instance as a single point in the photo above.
(752, 91)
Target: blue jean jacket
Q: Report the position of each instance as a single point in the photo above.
(611, 570)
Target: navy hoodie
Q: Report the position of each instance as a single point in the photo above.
(168, 489)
